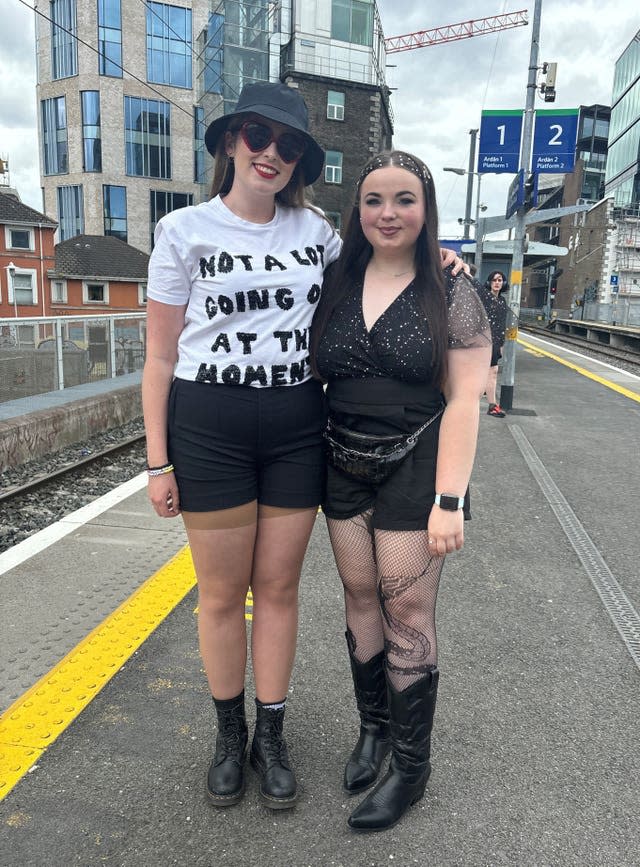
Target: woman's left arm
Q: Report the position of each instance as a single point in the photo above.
(466, 379)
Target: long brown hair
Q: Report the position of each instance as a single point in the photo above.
(293, 195)
(357, 251)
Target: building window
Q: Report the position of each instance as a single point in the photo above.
(110, 38)
(336, 219)
(23, 288)
(54, 136)
(147, 137)
(211, 53)
(70, 212)
(91, 138)
(142, 294)
(335, 105)
(198, 144)
(95, 293)
(114, 207)
(352, 21)
(168, 44)
(18, 239)
(162, 202)
(64, 52)
(333, 167)
(58, 291)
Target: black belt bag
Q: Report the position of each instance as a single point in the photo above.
(369, 457)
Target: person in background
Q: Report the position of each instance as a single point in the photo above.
(495, 305)
(404, 348)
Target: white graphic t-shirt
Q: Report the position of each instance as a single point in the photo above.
(250, 289)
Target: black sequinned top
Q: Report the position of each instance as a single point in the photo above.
(398, 345)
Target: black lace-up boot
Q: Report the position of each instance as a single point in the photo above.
(225, 782)
(270, 759)
(370, 686)
(411, 720)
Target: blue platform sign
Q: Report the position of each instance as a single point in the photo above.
(554, 140)
(515, 196)
(500, 138)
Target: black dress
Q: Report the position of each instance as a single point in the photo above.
(380, 381)
(496, 308)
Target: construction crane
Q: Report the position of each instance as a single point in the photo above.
(453, 32)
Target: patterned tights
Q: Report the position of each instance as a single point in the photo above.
(390, 586)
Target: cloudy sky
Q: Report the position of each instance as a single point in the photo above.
(440, 90)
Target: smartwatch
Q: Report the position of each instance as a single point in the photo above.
(449, 502)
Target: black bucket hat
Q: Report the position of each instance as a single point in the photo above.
(278, 102)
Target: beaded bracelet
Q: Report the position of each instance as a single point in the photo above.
(160, 471)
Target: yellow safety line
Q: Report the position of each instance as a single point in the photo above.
(594, 376)
(38, 717)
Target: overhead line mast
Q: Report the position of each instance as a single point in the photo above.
(453, 32)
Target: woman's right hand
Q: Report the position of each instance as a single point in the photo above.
(163, 493)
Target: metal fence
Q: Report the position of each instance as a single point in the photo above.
(41, 354)
(622, 311)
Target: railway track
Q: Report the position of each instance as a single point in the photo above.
(626, 358)
(68, 470)
(44, 491)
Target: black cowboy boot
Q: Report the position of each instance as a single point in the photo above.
(411, 720)
(225, 782)
(370, 686)
(270, 759)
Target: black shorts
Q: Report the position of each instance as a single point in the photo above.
(381, 406)
(402, 502)
(233, 444)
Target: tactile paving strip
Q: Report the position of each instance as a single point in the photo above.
(36, 719)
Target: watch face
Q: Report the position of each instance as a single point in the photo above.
(450, 504)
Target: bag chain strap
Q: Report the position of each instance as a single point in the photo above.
(409, 440)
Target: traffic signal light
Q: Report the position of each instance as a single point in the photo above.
(553, 290)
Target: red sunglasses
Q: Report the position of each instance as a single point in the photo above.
(258, 136)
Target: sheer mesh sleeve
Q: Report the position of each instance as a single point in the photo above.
(468, 323)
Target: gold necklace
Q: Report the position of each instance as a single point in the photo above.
(389, 274)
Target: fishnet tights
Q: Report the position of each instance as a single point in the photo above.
(390, 588)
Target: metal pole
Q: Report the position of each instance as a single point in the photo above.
(479, 232)
(12, 271)
(515, 291)
(477, 260)
(470, 173)
(547, 296)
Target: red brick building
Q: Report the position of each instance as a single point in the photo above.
(98, 274)
(86, 274)
(26, 256)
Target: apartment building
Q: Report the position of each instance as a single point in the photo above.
(126, 90)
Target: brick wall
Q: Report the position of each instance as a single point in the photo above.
(365, 130)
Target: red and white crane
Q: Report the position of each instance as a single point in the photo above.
(453, 32)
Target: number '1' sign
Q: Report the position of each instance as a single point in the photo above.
(500, 137)
(554, 140)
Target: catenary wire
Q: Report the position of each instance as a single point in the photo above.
(165, 98)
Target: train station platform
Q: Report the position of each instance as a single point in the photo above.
(34, 426)
(107, 728)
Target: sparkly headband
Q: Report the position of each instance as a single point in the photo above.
(404, 161)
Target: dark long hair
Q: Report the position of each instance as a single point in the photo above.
(505, 283)
(357, 251)
(293, 195)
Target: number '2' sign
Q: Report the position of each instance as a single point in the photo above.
(554, 140)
